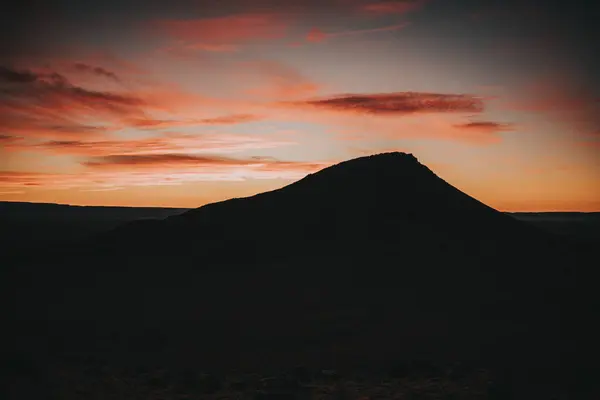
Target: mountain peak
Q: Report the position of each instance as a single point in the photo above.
(387, 158)
(384, 168)
(396, 154)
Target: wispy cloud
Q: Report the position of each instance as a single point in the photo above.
(206, 167)
(99, 71)
(13, 76)
(171, 142)
(160, 160)
(47, 104)
(398, 103)
(317, 35)
(232, 119)
(116, 171)
(486, 126)
(57, 88)
(8, 140)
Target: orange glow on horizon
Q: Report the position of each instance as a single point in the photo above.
(185, 106)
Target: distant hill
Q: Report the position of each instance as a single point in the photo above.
(51, 211)
(29, 225)
(580, 225)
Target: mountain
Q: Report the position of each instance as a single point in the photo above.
(370, 261)
(382, 210)
(387, 201)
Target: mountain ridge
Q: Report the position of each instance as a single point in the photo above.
(385, 203)
(370, 262)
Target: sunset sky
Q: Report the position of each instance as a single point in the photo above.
(182, 103)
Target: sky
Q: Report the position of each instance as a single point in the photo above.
(183, 103)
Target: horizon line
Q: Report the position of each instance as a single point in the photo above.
(191, 208)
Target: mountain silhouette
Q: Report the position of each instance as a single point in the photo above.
(370, 260)
(387, 211)
(388, 201)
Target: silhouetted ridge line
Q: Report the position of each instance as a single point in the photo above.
(382, 203)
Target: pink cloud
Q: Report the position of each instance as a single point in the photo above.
(398, 103)
(378, 118)
(47, 104)
(41, 104)
(231, 119)
(428, 127)
(224, 33)
(169, 142)
(486, 126)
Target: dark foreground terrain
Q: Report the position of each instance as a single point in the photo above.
(26, 226)
(417, 380)
(35, 225)
(584, 226)
(375, 270)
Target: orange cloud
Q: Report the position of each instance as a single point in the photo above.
(47, 104)
(392, 7)
(180, 48)
(223, 33)
(114, 172)
(7, 140)
(175, 143)
(486, 126)
(232, 119)
(58, 89)
(158, 160)
(396, 124)
(39, 103)
(30, 124)
(205, 167)
(397, 103)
